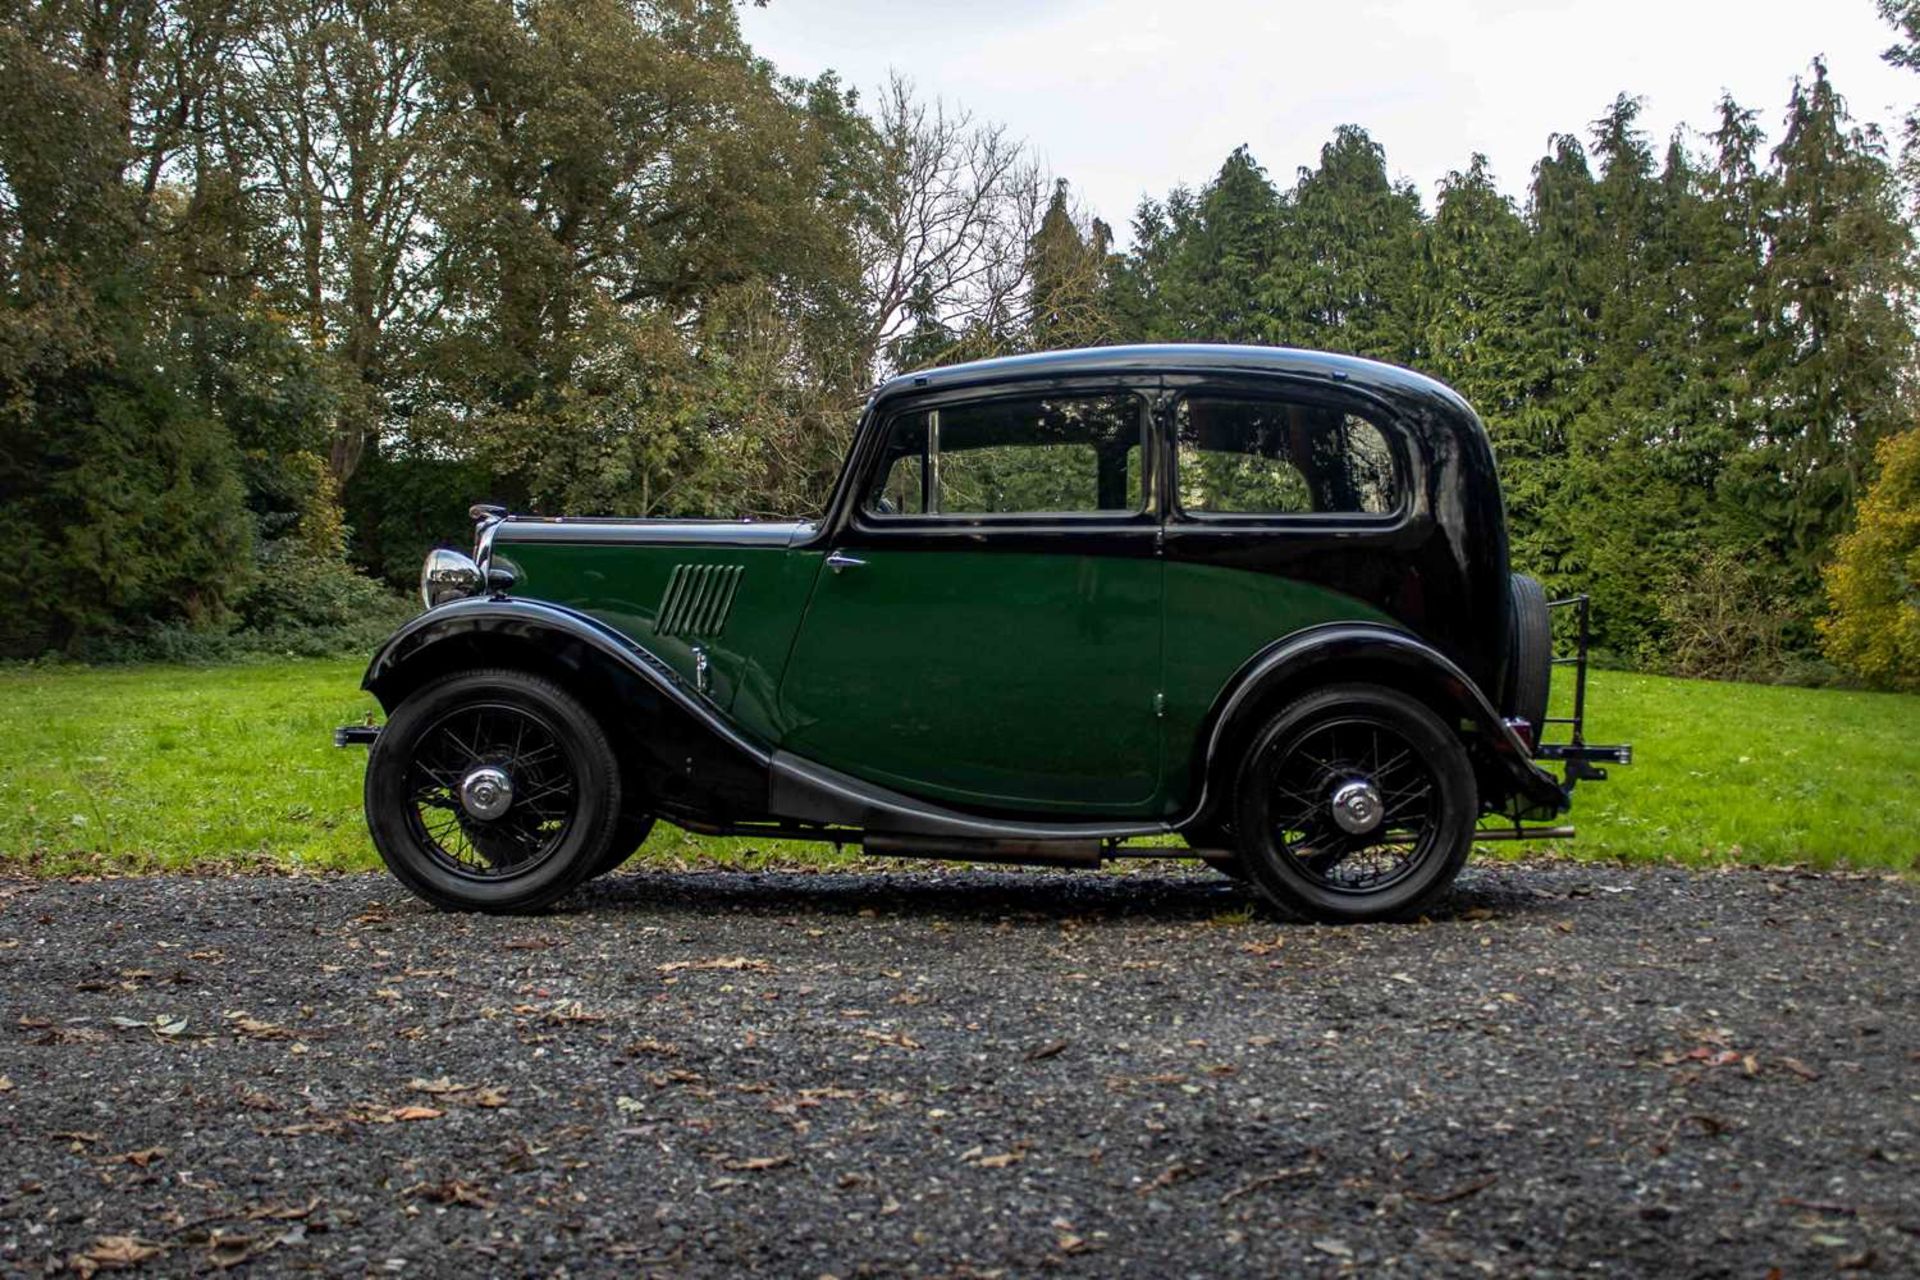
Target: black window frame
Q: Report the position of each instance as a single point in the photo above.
(1146, 513)
(1398, 439)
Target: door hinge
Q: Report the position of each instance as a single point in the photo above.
(1159, 704)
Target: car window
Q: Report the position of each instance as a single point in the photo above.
(1246, 456)
(1038, 455)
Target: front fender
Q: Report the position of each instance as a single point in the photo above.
(690, 758)
(1375, 654)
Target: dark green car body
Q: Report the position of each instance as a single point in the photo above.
(899, 669)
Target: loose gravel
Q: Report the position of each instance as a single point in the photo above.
(1574, 1069)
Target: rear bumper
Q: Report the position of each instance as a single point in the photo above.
(355, 735)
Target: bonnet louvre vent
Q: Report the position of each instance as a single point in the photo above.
(697, 600)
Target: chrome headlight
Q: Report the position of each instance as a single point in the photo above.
(448, 575)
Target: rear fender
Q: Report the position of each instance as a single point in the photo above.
(689, 758)
(1367, 653)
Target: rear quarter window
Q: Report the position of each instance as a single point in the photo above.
(1271, 456)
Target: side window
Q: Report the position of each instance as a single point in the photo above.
(1245, 456)
(1035, 455)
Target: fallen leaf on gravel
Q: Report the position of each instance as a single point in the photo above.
(529, 944)
(1168, 1176)
(1800, 1068)
(114, 1253)
(254, 1100)
(718, 962)
(1000, 1161)
(139, 1159)
(1335, 1248)
(898, 1039)
(74, 1136)
(1051, 1049)
(304, 1128)
(390, 1115)
(572, 1011)
(282, 1212)
(444, 1084)
(1268, 1180)
(227, 1250)
(650, 1045)
(629, 1105)
(1458, 1193)
(1477, 913)
(1263, 948)
(756, 1164)
(255, 1029)
(1820, 1206)
(6, 1084)
(489, 1097)
(1076, 1244)
(165, 1025)
(452, 1191)
(32, 1022)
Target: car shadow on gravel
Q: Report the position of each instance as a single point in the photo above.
(994, 895)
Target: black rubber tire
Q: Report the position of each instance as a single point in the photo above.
(1276, 874)
(1529, 654)
(583, 846)
(632, 832)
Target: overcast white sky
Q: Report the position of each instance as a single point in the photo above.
(1127, 98)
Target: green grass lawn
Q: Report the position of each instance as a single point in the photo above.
(166, 767)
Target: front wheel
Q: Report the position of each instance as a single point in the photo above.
(1355, 803)
(492, 790)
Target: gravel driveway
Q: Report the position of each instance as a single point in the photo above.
(1577, 1070)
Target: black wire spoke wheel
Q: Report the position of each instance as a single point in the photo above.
(1356, 802)
(1354, 806)
(493, 790)
(513, 757)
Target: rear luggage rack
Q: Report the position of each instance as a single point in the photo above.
(1575, 753)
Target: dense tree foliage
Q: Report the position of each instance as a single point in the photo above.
(286, 284)
(1685, 358)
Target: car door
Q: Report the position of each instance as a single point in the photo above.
(985, 631)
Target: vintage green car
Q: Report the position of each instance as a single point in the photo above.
(1246, 604)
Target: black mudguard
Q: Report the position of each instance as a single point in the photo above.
(689, 759)
(1371, 653)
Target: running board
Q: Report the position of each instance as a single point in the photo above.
(803, 791)
(1044, 853)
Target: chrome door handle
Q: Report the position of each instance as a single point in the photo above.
(841, 560)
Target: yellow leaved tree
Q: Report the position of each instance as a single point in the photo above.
(1873, 584)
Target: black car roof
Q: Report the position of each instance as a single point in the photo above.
(1176, 358)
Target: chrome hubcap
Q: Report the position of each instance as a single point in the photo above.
(486, 792)
(1356, 807)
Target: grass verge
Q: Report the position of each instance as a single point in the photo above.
(168, 767)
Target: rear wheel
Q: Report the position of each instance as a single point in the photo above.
(492, 790)
(1355, 803)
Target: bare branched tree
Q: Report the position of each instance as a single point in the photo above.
(955, 203)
